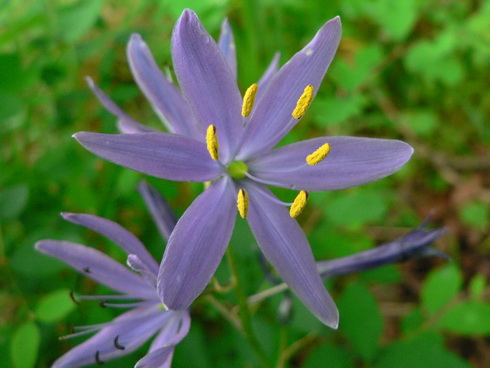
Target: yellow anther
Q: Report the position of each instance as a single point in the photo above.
(303, 102)
(212, 142)
(319, 155)
(299, 204)
(242, 203)
(249, 99)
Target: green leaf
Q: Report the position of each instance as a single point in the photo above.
(412, 321)
(55, 306)
(423, 122)
(387, 274)
(425, 350)
(13, 200)
(25, 345)
(441, 286)
(353, 75)
(357, 207)
(436, 60)
(468, 318)
(477, 286)
(336, 109)
(396, 18)
(76, 19)
(334, 355)
(476, 215)
(360, 319)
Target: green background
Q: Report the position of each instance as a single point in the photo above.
(415, 70)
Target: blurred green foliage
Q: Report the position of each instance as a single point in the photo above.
(417, 70)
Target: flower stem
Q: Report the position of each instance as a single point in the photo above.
(244, 310)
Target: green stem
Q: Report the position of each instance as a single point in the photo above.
(245, 311)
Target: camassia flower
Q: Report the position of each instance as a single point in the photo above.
(219, 136)
(146, 318)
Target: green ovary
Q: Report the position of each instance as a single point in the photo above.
(237, 169)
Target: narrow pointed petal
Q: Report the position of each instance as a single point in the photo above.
(414, 244)
(269, 73)
(272, 114)
(136, 264)
(285, 246)
(161, 212)
(197, 245)
(207, 81)
(115, 232)
(164, 97)
(132, 330)
(160, 358)
(174, 331)
(352, 161)
(163, 155)
(227, 46)
(126, 123)
(97, 266)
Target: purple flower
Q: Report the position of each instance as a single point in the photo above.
(146, 317)
(224, 138)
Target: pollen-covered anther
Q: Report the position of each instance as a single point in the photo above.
(299, 204)
(212, 142)
(319, 155)
(249, 99)
(304, 102)
(242, 203)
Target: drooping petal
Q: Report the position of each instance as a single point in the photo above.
(352, 161)
(160, 358)
(197, 245)
(126, 123)
(174, 331)
(285, 246)
(227, 46)
(207, 81)
(166, 156)
(162, 347)
(164, 97)
(116, 233)
(414, 244)
(269, 73)
(97, 266)
(132, 329)
(136, 264)
(269, 121)
(161, 212)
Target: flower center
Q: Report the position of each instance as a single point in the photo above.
(237, 169)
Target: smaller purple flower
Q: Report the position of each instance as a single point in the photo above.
(146, 317)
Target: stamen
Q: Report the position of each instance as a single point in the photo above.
(303, 102)
(319, 155)
(249, 99)
(106, 304)
(117, 345)
(76, 334)
(97, 358)
(105, 297)
(242, 203)
(72, 297)
(212, 142)
(299, 204)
